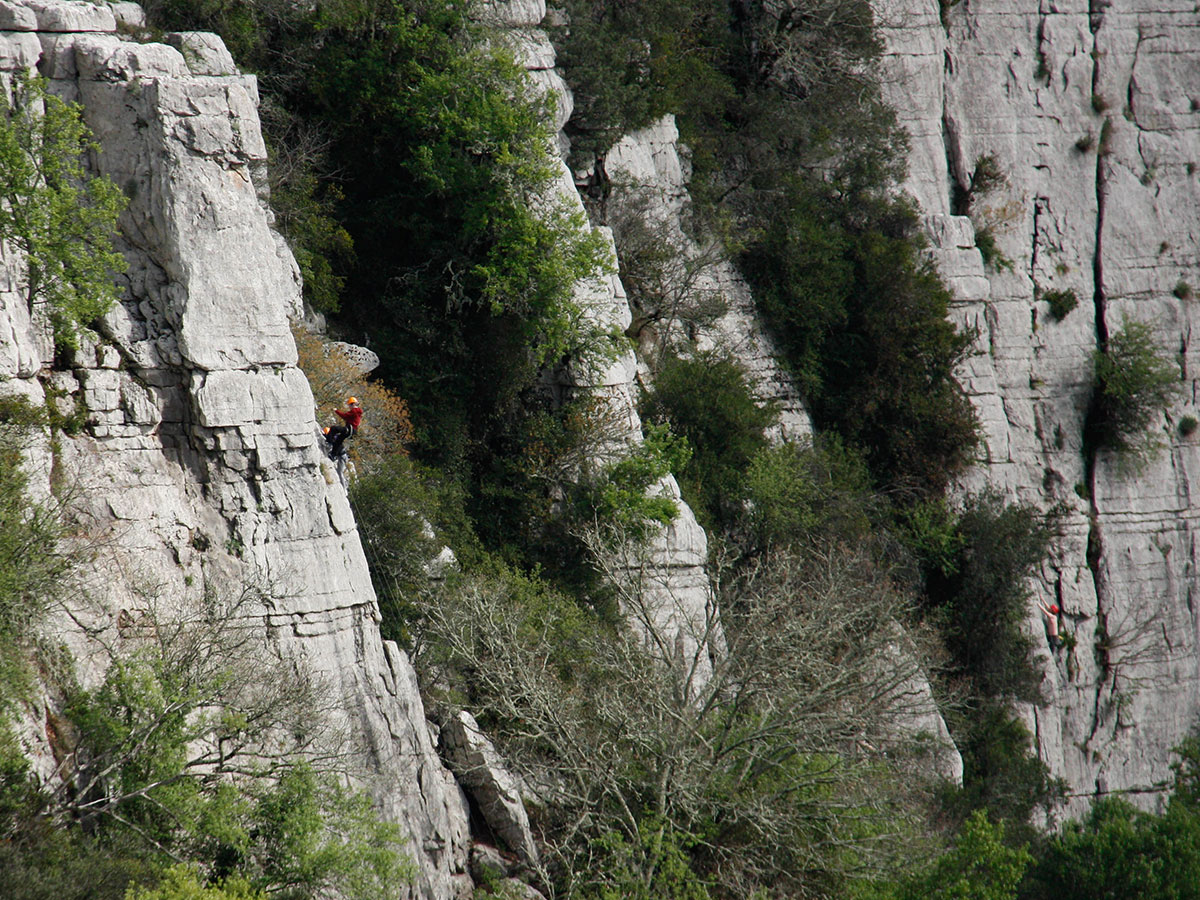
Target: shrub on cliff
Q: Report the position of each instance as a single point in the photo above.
(984, 594)
(1135, 381)
(56, 212)
(705, 398)
(808, 492)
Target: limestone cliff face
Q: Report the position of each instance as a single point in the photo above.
(1090, 113)
(199, 464)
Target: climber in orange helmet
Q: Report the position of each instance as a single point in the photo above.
(351, 418)
(1050, 613)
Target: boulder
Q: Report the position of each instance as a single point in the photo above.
(479, 769)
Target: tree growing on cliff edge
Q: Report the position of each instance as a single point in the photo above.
(60, 216)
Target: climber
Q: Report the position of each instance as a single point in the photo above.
(1051, 615)
(351, 418)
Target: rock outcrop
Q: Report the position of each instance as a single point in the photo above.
(1089, 113)
(668, 582)
(198, 467)
(495, 790)
(647, 178)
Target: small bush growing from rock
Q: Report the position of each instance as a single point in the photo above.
(987, 175)
(1134, 382)
(1182, 290)
(1188, 425)
(993, 257)
(1061, 303)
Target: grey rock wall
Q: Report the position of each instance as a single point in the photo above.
(199, 467)
(1091, 113)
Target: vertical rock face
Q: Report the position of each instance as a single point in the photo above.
(199, 465)
(1090, 114)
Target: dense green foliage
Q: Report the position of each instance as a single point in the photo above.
(981, 586)
(1135, 381)
(59, 215)
(1001, 773)
(862, 318)
(32, 567)
(979, 866)
(802, 494)
(1120, 852)
(705, 398)
(182, 883)
(393, 505)
(626, 493)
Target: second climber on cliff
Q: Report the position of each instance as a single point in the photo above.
(351, 419)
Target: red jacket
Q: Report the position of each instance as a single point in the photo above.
(352, 417)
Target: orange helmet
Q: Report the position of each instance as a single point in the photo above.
(325, 430)
(353, 400)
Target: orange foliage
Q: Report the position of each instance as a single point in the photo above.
(386, 428)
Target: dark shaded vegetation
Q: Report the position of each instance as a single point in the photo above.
(862, 318)
(705, 399)
(981, 590)
(795, 152)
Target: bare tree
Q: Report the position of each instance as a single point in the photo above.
(781, 768)
(668, 275)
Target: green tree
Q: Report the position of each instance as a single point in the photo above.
(982, 590)
(625, 494)
(980, 866)
(182, 883)
(1122, 853)
(60, 216)
(808, 493)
